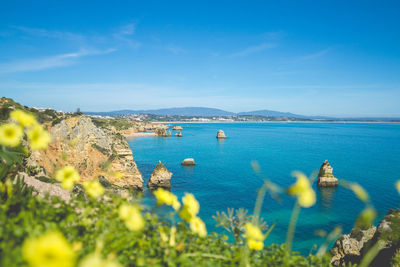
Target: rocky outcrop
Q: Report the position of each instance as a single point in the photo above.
(221, 134)
(352, 248)
(348, 247)
(179, 134)
(188, 162)
(160, 130)
(160, 177)
(177, 128)
(169, 133)
(325, 175)
(92, 150)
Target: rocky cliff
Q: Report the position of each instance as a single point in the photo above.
(94, 151)
(353, 247)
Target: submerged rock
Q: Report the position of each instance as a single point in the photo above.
(325, 175)
(188, 162)
(161, 177)
(179, 134)
(221, 134)
(177, 128)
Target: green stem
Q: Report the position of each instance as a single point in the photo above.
(259, 202)
(371, 254)
(292, 225)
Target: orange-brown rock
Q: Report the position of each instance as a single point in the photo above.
(92, 150)
(161, 177)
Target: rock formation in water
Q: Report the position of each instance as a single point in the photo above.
(221, 134)
(179, 134)
(92, 150)
(160, 177)
(161, 130)
(353, 247)
(177, 128)
(169, 133)
(325, 175)
(188, 162)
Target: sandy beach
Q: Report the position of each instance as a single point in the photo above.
(142, 134)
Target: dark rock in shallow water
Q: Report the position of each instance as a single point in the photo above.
(188, 162)
(325, 175)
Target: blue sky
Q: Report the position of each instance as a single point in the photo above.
(339, 58)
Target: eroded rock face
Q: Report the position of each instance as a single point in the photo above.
(93, 151)
(325, 175)
(352, 248)
(161, 177)
(221, 134)
(179, 134)
(188, 162)
(348, 247)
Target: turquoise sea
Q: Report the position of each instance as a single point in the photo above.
(367, 153)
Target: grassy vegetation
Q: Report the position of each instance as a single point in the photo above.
(117, 123)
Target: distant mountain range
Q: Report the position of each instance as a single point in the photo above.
(211, 112)
(199, 112)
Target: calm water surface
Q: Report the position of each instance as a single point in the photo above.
(367, 153)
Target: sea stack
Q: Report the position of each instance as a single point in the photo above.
(221, 134)
(169, 133)
(325, 175)
(188, 162)
(179, 134)
(177, 128)
(161, 177)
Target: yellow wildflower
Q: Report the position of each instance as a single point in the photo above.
(95, 260)
(190, 207)
(38, 137)
(366, 217)
(49, 250)
(131, 216)
(302, 190)
(254, 236)
(253, 232)
(172, 242)
(67, 176)
(359, 192)
(167, 198)
(10, 134)
(198, 227)
(398, 186)
(24, 119)
(254, 244)
(93, 188)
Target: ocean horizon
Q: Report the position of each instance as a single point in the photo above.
(366, 153)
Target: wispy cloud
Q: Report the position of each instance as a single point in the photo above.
(120, 36)
(175, 49)
(314, 55)
(37, 64)
(274, 35)
(64, 35)
(253, 49)
(128, 29)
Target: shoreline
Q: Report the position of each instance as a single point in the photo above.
(138, 134)
(184, 122)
